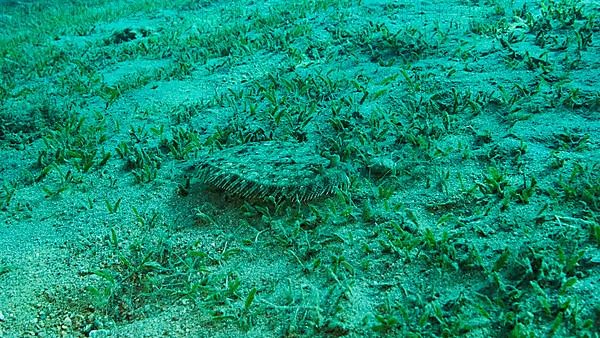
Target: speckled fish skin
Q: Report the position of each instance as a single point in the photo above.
(279, 169)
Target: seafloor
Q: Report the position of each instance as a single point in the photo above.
(466, 134)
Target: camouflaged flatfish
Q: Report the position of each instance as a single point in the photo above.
(283, 170)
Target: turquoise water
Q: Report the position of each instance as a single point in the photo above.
(304, 168)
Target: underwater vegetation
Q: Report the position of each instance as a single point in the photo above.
(307, 168)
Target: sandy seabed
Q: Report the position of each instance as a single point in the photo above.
(468, 132)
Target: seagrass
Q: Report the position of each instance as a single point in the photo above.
(281, 169)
